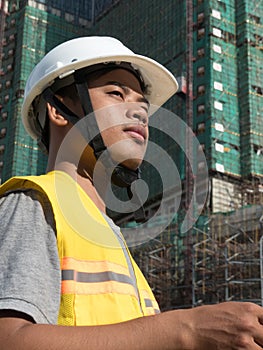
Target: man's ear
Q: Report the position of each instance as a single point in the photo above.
(55, 117)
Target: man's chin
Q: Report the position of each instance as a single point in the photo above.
(132, 164)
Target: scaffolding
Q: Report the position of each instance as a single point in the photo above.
(226, 260)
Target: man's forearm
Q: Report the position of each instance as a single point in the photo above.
(140, 334)
(227, 326)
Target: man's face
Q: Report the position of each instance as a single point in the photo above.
(122, 115)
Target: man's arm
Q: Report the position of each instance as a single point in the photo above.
(30, 273)
(226, 326)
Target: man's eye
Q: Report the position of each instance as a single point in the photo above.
(116, 93)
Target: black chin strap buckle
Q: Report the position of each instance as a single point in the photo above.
(139, 214)
(124, 177)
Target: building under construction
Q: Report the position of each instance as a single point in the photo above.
(28, 29)
(215, 49)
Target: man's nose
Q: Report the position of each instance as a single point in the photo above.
(137, 112)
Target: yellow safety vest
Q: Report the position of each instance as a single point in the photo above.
(100, 283)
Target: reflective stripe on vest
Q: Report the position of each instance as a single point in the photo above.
(86, 277)
(98, 286)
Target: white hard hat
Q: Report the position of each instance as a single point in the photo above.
(81, 52)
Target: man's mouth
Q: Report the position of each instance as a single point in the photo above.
(136, 131)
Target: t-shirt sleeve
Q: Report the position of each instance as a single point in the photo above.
(29, 263)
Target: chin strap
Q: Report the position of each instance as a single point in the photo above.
(139, 214)
(121, 176)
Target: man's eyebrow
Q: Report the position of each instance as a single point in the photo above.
(126, 89)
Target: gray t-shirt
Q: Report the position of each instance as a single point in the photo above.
(29, 263)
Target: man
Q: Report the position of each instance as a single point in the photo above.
(63, 261)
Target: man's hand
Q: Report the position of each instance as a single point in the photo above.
(226, 326)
